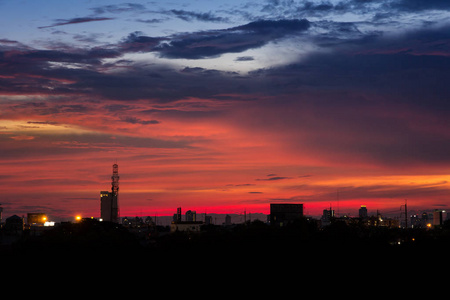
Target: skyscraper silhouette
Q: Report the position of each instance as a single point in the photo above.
(109, 205)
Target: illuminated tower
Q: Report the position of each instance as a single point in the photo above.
(109, 205)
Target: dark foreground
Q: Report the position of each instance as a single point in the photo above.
(254, 260)
(251, 243)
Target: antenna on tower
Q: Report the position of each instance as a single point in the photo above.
(115, 193)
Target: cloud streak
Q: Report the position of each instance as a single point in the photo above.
(190, 16)
(62, 22)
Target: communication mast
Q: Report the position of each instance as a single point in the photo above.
(109, 204)
(115, 215)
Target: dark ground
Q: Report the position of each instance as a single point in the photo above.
(241, 242)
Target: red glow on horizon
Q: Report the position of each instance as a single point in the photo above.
(219, 163)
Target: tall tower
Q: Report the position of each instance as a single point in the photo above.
(109, 205)
(114, 194)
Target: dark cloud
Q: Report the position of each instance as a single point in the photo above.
(233, 40)
(9, 42)
(43, 145)
(245, 58)
(34, 61)
(213, 43)
(277, 27)
(307, 9)
(323, 6)
(117, 107)
(419, 5)
(411, 66)
(119, 8)
(273, 178)
(325, 9)
(150, 21)
(191, 16)
(137, 41)
(138, 83)
(134, 120)
(43, 122)
(62, 22)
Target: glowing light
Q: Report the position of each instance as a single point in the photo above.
(78, 218)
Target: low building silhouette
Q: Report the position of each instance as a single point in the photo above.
(187, 226)
(282, 214)
(190, 225)
(14, 225)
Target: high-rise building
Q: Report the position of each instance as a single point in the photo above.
(177, 216)
(439, 216)
(327, 217)
(425, 220)
(109, 205)
(363, 212)
(105, 206)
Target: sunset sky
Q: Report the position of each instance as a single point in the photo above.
(224, 106)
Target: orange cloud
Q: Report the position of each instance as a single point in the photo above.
(22, 137)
